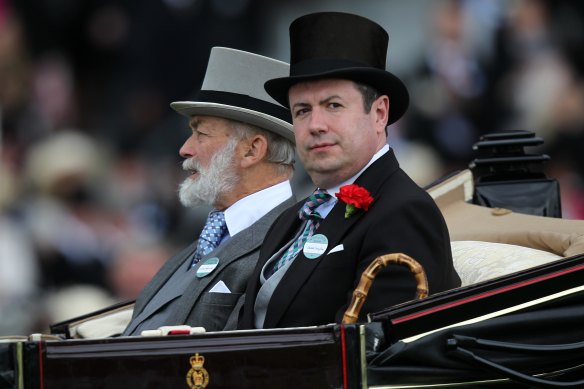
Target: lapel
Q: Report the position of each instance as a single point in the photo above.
(234, 249)
(334, 227)
(281, 232)
(282, 229)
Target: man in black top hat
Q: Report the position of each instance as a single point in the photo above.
(341, 99)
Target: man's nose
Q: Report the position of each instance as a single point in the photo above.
(317, 123)
(187, 150)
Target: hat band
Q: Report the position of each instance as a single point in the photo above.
(316, 66)
(246, 102)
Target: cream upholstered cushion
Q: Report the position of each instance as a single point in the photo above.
(467, 221)
(105, 325)
(477, 261)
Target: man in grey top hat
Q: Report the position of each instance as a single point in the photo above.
(341, 99)
(240, 158)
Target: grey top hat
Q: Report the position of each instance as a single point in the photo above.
(233, 88)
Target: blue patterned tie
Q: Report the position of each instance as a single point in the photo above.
(307, 212)
(211, 235)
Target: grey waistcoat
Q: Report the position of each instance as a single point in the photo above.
(269, 285)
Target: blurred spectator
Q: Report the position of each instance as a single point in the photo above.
(133, 266)
(19, 271)
(536, 72)
(448, 89)
(419, 160)
(19, 123)
(71, 234)
(567, 146)
(542, 90)
(53, 88)
(90, 209)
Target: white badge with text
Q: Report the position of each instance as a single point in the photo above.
(207, 267)
(315, 246)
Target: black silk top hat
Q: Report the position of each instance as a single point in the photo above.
(233, 88)
(344, 46)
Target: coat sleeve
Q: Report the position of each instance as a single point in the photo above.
(414, 227)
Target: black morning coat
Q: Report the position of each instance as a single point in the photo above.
(403, 218)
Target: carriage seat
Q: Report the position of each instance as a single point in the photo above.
(491, 242)
(477, 261)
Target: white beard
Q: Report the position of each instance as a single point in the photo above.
(214, 180)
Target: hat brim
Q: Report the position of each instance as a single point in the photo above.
(384, 82)
(266, 122)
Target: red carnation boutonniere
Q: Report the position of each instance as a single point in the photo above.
(355, 197)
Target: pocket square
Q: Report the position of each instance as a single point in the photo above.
(337, 248)
(220, 287)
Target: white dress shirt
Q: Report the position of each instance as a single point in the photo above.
(250, 209)
(325, 208)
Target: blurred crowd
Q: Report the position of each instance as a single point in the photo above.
(89, 162)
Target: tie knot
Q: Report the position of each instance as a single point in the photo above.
(214, 228)
(313, 201)
(211, 235)
(217, 217)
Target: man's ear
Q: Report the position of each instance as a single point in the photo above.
(381, 109)
(254, 150)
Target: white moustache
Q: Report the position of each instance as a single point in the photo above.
(191, 165)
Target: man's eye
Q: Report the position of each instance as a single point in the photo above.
(335, 105)
(300, 112)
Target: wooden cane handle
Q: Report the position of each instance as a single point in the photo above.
(360, 294)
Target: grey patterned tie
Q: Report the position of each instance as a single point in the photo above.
(307, 212)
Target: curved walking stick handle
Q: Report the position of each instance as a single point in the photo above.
(360, 294)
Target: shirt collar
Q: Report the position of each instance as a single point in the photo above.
(375, 157)
(250, 209)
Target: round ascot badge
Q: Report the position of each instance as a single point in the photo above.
(207, 267)
(315, 246)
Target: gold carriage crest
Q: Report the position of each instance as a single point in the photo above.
(197, 377)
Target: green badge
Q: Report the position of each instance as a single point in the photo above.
(207, 267)
(315, 246)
